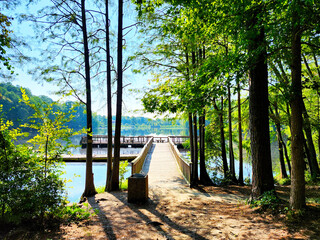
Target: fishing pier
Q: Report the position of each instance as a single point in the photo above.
(101, 141)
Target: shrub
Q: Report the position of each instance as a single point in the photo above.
(26, 189)
(30, 183)
(122, 171)
(267, 200)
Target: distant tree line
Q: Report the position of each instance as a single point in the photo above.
(19, 113)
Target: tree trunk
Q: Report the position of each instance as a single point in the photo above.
(195, 145)
(109, 104)
(297, 191)
(116, 160)
(204, 176)
(262, 178)
(193, 181)
(222, 139)
(240, 180)
(285, 152)
(313, 164)
(89, 184)
(280, 145)
(231, 154)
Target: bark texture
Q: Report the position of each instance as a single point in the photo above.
(297, 191)
(262, 178)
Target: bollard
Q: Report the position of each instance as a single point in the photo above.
(138, 188)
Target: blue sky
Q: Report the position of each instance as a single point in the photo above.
(24, 79)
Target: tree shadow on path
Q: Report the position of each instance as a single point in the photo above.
(151, 216)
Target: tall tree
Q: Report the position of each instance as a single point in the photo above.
(231, 154)
(297, 191)
(116, 161)
(276, 119)
(312, 159)
(262, 179)
(89, 184)
(109, 102)
(67, 22)
(222, 138)
(204, 176)
(240, 179)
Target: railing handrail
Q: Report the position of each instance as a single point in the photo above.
(137, 163)
(184, 166)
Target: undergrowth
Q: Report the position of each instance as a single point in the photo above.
(267, 201)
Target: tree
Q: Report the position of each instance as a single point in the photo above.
(116, 161)
(109, 102)
(240, 179)
(262, 179)
(222, 139)
(297, 192)
(89, 185)
(64, 23)
(231, 154)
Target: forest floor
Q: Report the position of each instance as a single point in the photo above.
(206, 213)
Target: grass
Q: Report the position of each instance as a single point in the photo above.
(123, 186)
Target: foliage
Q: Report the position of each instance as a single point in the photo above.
(247, 181)
(124, 185)
(267, 200)
(314, 200)
(75, 213)
(100, 189)
(30, 183)
(122, 171)
(27, 189)
(284, 181)
(219, 180)
(5, 40)
(311, 180)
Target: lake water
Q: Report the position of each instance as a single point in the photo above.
(76, 173)
(247, 168)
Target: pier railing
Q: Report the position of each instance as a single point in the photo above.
(101, 141)
(137, 163)
(184, 166)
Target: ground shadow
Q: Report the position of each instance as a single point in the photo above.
(107, 226)
(150, 206)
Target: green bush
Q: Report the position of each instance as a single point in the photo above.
(26, 189)
(122, 171)
(75, 213)
(267, 200)
(284, 181)
(30, 183)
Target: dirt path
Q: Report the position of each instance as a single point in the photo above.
(174, 211)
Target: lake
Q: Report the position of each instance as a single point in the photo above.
(76, 173)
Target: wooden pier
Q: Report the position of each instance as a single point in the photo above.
(101, 141)
(95, 157)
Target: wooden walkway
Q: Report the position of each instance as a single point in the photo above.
(165, 179)
(162, 168)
